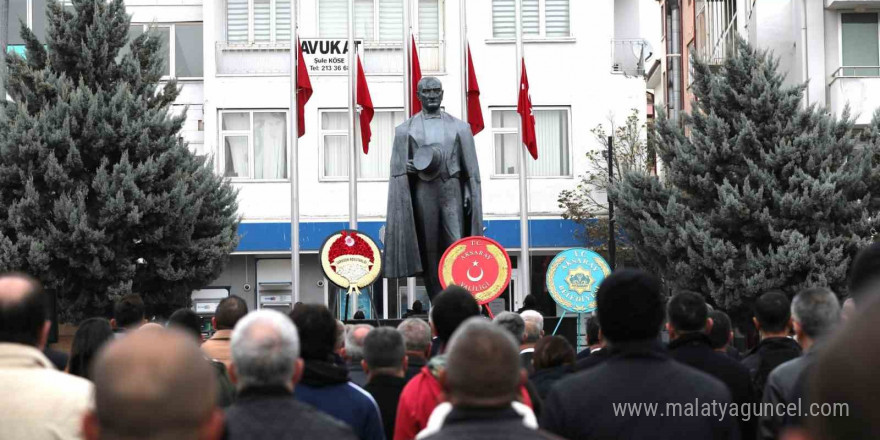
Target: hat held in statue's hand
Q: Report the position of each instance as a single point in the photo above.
(427, 160)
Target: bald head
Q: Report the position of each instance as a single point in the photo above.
(22, 310)
(154, 383)
(483, 365)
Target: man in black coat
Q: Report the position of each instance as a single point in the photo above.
(688, 326)
(616, 399)
(385, 365)
(481, 382)
(265, 367)
(773, 321)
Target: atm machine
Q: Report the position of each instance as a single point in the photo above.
(205, 302)
(274, 289)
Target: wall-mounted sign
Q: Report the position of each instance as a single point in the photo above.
(478, 264)
(351, 260)
(573, 278)
(326, 56)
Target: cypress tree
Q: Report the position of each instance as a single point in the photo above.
(757, 192)
(99, 195)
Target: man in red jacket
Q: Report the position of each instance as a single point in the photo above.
(423, 393)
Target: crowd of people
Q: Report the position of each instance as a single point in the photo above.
(266, 375)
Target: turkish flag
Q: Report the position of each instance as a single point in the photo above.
(524, 108)
(366, 104)
(475, 111)
(416, 77)
(303, 90)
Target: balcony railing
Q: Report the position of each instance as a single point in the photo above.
(715, 23)
(856, 72)
(274, 58)
(629, 56)
(857, 87)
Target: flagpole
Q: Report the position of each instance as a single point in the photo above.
(294, 142)
(524, 263)
(462, 16)
(352, 143)
(407, 108)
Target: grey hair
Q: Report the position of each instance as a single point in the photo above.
(533, 332)
(816, 310)
(384, 348)
(513, 323)
(265, 347)
(416, 334)
(354, 348)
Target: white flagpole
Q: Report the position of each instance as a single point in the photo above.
(294, 162)
(352, 127)
(524, 266)
(462, 16)
(407, 108)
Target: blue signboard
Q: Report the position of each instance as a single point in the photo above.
(573, 278)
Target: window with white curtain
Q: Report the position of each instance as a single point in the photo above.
(540, 18)
(552, 132)
(257, 21)
(254, 144)
(334, 138)
(182, 48)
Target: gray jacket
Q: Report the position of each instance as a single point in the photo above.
(785, 385)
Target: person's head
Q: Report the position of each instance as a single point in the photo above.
(339, 348)
(721, 333)
(630, 306)
(187, 321)
(772, 314)
(864, 273)
(384, 352)
(417, 307)
(317, 330)
(513, 323)
(153, 384)
(265, 351)
(90, 336)
(452, 306)
(534, 325)
(553, 351)
(430, 92)
(530, 302)
(416, 335)
(23, 314)
(229, 311)
(354, 342)
(687, 313)
(593, 331)
(844, 374)
(814, 312)
(482, 366)
(359, 315)
(128, 312)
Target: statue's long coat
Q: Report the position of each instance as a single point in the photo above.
(402, 256)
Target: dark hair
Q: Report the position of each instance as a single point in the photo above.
(687, 312)
(553, 351)
(359, 315)
(229, 311)
(188, 321)
(773, 311)
(530, 302)
(384, 348)
(417, 307)
(129, 310)
(630, 305)
(22, 321)
(593, 330)
(91, 335)
(719, 336)
(317, 330)
(864, 272)
(452, 306)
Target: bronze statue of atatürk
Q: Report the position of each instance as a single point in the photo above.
(434, 193)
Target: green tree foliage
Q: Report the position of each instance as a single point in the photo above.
(757, 192)
(99, 195)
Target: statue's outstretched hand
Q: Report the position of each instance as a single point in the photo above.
(410, 168)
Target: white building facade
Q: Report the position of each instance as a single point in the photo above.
(231, 59)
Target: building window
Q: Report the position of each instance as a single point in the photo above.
(540, 18)
(334, 141)
(254, 144)
(379, 23)
(860, 47)
(257, 21)
(33, 14)
(182, 50)
(551, 127)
